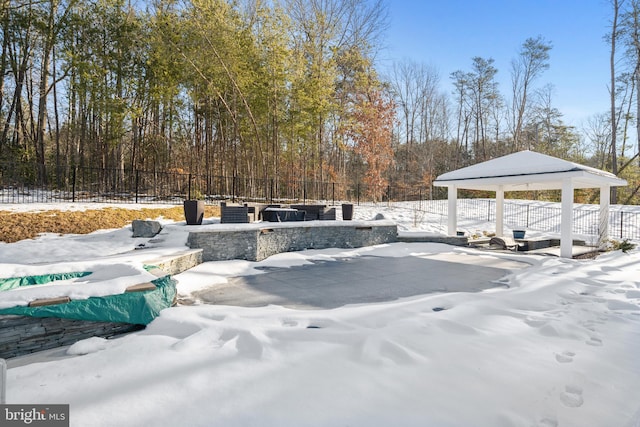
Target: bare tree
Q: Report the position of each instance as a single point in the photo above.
(616, 4)
(463, 115)
(423, 117)
(406, 83)
(531, 62)
(485, 97)
(597, 131)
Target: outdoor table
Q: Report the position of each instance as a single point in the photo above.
(313, 212)
(282, 215)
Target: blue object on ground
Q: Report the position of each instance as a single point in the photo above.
(518, 234)
(138, 308)
(16, 282)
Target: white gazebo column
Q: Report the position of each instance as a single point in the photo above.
(566, 224)
(500, 211)
(452, 221)
(603, 225)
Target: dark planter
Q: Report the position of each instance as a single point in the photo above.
(347, 211)
(193, 211)
(518, 234)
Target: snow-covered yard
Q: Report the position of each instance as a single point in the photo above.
(558, 347)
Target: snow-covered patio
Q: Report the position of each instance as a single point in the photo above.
(555, 344)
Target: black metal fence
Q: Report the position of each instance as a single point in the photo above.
(32, 184)
(623, 223)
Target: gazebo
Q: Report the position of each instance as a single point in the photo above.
(526, 171)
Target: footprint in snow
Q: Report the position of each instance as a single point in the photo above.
(381, 350)
(590, 325)
(565, 357)
(536, 322)
(548, 422)
(622, 305)
(289, 323)
(594, 341)
(632, 294)
(572, 397)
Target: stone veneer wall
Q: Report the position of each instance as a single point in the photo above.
(20, 335)
(255, 242)
(225, 245)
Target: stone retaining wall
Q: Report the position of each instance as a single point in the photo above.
(20, 335)
(255, 242)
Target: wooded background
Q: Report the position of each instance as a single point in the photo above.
(288, 89)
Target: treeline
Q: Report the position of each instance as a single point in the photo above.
(259, 89)
(249, 89)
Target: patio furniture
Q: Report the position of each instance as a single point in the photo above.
(316, 212)
(282, 215)
(234, 214)
(262, 207)
(506, 243)
(328, 214)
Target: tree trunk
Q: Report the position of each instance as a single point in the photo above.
(612, 94)
(3, 60)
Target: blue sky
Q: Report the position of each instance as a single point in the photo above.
(447, 34)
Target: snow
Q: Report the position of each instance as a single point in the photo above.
(521, 163)
(527, 171)
(558, 347)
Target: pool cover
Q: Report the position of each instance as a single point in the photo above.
(138, 308)
(16, 282)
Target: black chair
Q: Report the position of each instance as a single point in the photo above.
(234, 214)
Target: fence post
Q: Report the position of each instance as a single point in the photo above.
(333, 192)
(271, 190)
(621, 222)
(528, 206)
(304, 192)
(73, 185)
(358, 193)
(233, 188)
(137, 182)
(389, 195)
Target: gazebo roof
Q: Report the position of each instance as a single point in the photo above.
(524, 171)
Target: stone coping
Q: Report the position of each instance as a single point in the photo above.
(290, 224)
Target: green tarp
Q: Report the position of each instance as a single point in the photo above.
(16, 282)
(138, 308)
